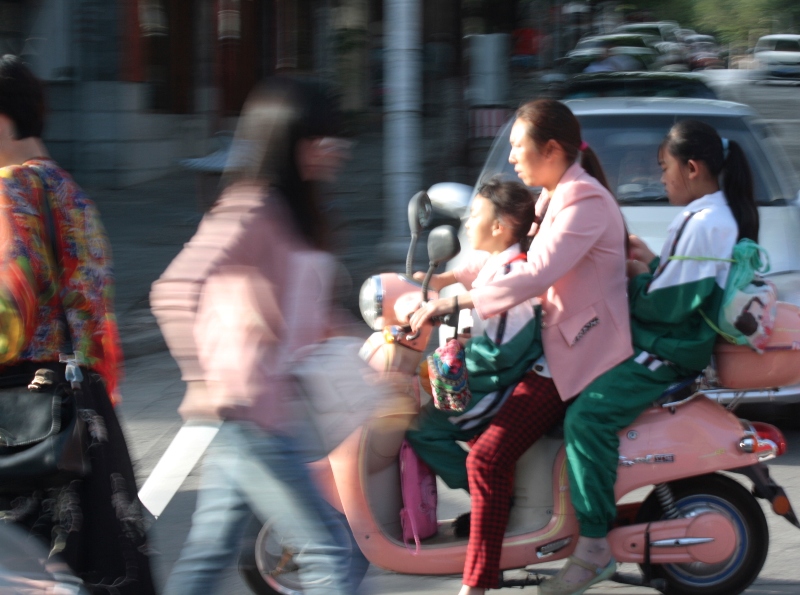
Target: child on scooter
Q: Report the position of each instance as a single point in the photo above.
(671, 298)
(506, 345)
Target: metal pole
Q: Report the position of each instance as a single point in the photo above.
(402, 144)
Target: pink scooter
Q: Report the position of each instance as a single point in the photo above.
(696, 532)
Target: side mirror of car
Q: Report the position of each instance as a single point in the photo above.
(750, 51)
(451, 198)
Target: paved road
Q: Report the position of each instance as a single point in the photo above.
(153, 389)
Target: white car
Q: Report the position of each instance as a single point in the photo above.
(778, 56)
(625, 133)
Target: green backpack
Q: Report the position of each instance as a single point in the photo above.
(749, 303)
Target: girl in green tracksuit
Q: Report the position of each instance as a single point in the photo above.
(671, 339)
(502, 348)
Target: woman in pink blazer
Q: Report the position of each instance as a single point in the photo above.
(576, 267)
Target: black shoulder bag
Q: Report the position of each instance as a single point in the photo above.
(42, 435)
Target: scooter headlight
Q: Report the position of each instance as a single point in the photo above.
(370, 301)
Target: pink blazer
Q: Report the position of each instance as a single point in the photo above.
(576, 266)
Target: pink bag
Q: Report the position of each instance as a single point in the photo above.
(418, 486)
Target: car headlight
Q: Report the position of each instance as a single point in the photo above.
(370, 301)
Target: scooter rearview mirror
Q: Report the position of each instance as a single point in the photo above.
(443, 245)
(419, 212)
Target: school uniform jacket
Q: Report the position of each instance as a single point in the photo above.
(689, 276)
(504, 347)
(576, 266)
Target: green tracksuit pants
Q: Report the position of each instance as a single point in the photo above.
(433, 438)
(609, 404)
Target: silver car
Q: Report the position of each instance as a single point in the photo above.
(625, 133)
(778, 56)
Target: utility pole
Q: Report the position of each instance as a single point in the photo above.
(402, 145)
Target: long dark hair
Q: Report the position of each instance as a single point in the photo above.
(277, 114)
(549, 119)
(692, 139)
(514, 204)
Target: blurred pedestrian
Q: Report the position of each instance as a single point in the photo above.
(56, 288)
(222, 305)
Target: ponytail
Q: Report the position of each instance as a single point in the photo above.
(591, 164)
(737, 183)
(693, 139)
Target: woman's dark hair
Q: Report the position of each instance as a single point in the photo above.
(513, 204)
(549, 119)
(21, 97)
(277, 114)
(692, 139)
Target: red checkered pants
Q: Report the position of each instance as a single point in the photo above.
(532, 409)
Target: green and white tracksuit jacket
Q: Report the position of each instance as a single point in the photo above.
(502, 349)
(672, 341)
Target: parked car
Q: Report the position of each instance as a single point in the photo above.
(632, 84)
(778, 56)
(618, 51)
(703, 52)
(626, 133)
(664, 30)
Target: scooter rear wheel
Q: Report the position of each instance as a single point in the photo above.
(726, 496)
(269, 569)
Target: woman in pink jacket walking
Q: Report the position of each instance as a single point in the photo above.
(576, 267)
(232, 312)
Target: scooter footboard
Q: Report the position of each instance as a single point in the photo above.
(709, 538)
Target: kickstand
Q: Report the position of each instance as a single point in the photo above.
(647, 568)
(659, 584)
(531, 579)
(646, 580)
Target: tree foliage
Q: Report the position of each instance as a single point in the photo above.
(731, 21)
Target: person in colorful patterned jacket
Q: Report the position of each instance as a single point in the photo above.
(670, 297)
(496, 358)
(56, 297)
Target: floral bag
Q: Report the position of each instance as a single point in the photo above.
(447, 370)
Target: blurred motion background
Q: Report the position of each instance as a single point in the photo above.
(143, 97)
(148, 90)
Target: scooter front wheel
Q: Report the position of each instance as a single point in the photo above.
(725, 496)
(268, 568)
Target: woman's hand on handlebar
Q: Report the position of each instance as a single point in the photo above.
(441, 307)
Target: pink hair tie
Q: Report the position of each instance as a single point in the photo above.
(584, 145)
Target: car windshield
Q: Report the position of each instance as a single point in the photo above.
(627, 146)
(637, 88)
(787, 45)
(647, 30)
(591, 44)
